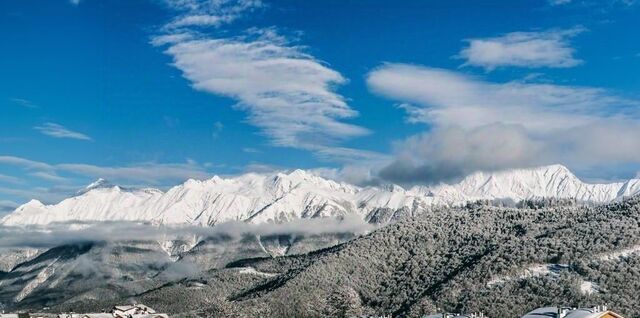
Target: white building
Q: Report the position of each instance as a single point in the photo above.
(450, 315)
(127, 311)
(567, 312)
(98, 315)
(131, 311)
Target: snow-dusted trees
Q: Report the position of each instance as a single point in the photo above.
(472, 259)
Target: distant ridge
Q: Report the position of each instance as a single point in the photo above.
(280, 197)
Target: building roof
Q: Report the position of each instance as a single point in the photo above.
(552, 312)
(590, 313)
(98, 315)
(133, 307)
(445, 315)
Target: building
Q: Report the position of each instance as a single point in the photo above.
(568, 312)
(126, 311)
(450, 315)
(131, 311)
(98, 315)
(16, 315)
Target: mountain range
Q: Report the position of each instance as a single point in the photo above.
(281, 197)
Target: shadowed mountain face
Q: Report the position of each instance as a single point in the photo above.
(500, 261)
(96, 275)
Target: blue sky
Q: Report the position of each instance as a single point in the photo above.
(150, 92)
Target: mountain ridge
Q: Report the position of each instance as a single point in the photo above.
(280, 197)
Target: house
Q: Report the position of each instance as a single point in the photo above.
(568, 312)
(450, 315)
(98, 315)
(130, 311)
(18, 315)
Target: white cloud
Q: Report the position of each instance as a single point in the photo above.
(287, 93)
(68, 178)
(170, 39)
(48, 176)
(250, 150)
(47, 195)
(558, 2)
(217, 129)
(146, 173)
(201, 20)
(479, 125)
(25, 163)
(23, 102)
(140, 173)
(523, 49)
(7, 206)
(450, 98)
(9, 179)
(214, 13)
(59, 131)
(67, 233)
(74, 2)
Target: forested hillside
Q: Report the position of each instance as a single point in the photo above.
(500, 261)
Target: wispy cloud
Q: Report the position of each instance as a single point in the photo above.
(149, 172)
(48, 176)
(287, 93)
(52, 194)
(25, 163)
(62, 175)
(479, 125)
(217, 129)
(23, 102)
(558, 2)
(59, 131)
(7, 206)
(550, 48)
(594, 3)
(145, 173)
(250, 150)
(68, 233)
(214, 13)
(9, 179)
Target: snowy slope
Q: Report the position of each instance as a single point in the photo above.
(299, 194)
(555, 181)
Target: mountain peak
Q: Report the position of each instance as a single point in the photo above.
(100, 183)
(298, 193)
(555, 168)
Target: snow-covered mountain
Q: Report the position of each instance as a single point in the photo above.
(282, 197)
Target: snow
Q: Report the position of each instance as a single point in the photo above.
(42, 276)
(612, 256)
(535, 270)
(280, 197)
(554, 270)
(253, 271)
(588, 288)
